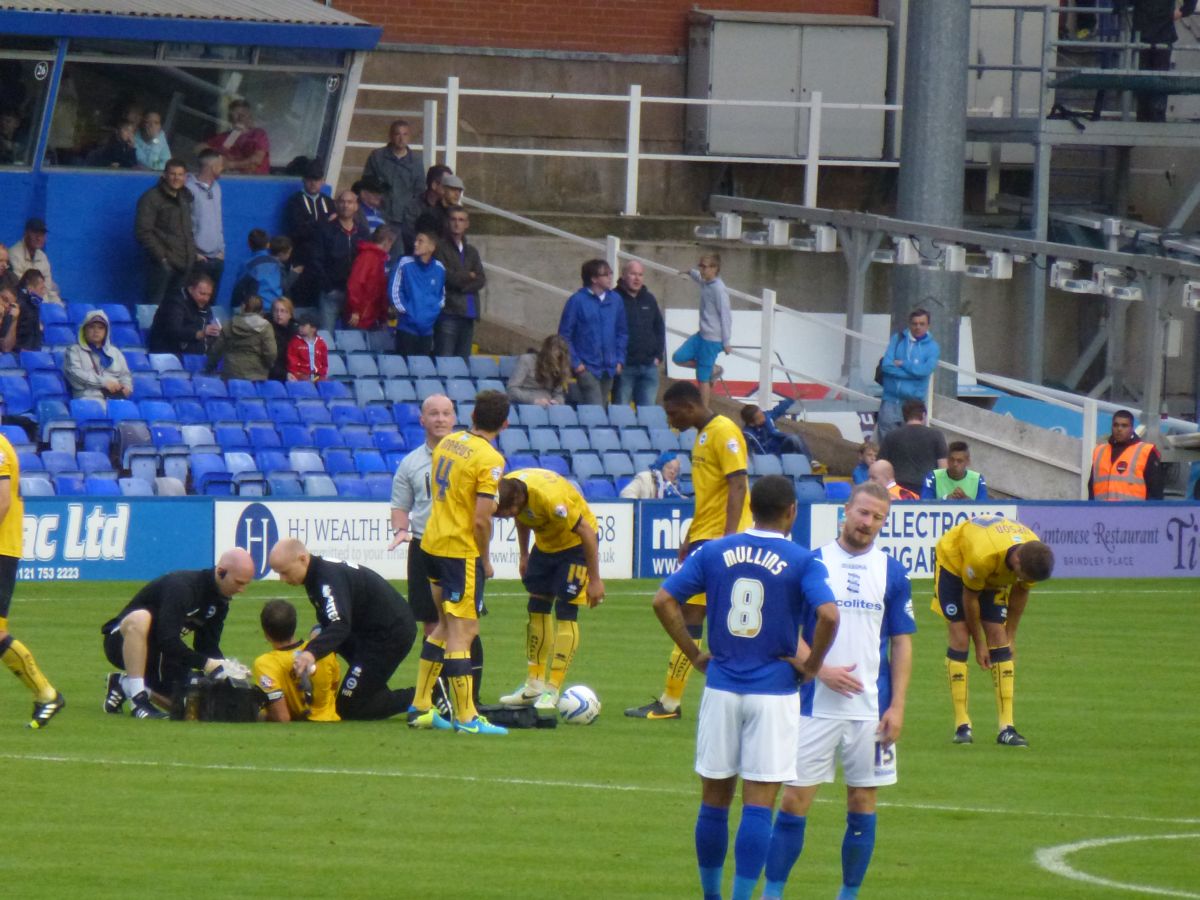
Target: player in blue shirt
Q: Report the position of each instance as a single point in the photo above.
(761, 587)
(854, 711)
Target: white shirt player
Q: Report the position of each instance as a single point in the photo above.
(874, 599)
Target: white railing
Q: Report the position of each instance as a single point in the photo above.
(632, 154)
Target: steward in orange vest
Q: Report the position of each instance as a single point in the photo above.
(1125, 467)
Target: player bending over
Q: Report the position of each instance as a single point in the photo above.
(854, 711)
(761, 588)
(985, 569)
(562, 573)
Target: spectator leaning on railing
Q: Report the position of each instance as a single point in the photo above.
(907, 364)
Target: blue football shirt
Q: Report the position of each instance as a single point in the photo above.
(760, 586)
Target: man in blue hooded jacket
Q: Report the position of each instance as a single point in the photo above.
(907, 364)
(594, 327)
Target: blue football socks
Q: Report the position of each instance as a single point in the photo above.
(750, 849)
(712, 843)
(857, 847)
(787, 842)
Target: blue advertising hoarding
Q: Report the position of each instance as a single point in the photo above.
(114, 538)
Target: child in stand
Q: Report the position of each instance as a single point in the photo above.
(308, 354)
(701, 350)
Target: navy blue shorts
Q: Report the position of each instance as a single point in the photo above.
(947, 599)
(562, 575)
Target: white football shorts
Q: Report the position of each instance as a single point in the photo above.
(865, 762)
(751, 735)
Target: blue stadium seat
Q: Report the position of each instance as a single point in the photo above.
(642, 459)
(407, 414)
(795, 464)
(348, 415)
(118, 313)
(765, 464)
(592, 416)
(70, 484)
(47, 384)
(305, 460)
(399, 390)
(262, 436)
(617, 464)
(209, 471)
(190, 411)
(368, 391)
(421, 367)
(90, 462)
(195, 435)
(357, 437)
(574, 440)
(319, 485)
(169, 486)
(338, 461)
(586, 465)
(249, 484)
(369, 461)
(55, 461)
(251, 410)
(391, 366)
(604, 439)
(414, 435)
(351, 486)
(231, 438)
(634, 440)
(555, 464)
(838, 491)
(146, 386)
(175, 384)
(521, 461)
(17, 437)
(157, 411)
(53, 314)
(483, 367)
(35, 485)
(30, 461)
(221, 411)
(562, 416)
(379, 485)
(393, 458)
(32, 360)
(293, 434)
(427, 387)
(142, 462)
(135, 486)
(460, 390)
(652, 417)
(102, 485)
(687, 439)
(326, 434)
(327, 337)
(165, 362)
(350, 340)
(381, 341)
(513, 441)
(302, 390)
(241, 389)
(489, 384)
(209, 387)
(8, 361)
(282, 412)
(270, 390)
(333, 390)
(362, 365)
(284, 485)
(122, 410)
(544, 440)
(14, 390)
(166, 435)
(451, 367)
(465, 410)
(622, 416)
(337, 367)
(508, 365)
(127, 337)
(59, 335)
(194, 363)
(599, 490)
(138, 361)
(532, 415)
(271, 461)
(389, 441)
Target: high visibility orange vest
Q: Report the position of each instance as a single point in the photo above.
(1122, 478)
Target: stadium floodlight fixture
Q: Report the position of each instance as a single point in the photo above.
(707, 232)
(777, 232)
(731, 226)
(887, 257)
(1000, 263)
(755, 238)
(978, 267)
(805, 245)
(1123, 292)
(954, 258)
(1108, 276)
(825, 237)
(907, 252)
(1191, 295)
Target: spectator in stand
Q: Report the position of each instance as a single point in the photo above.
(150, 144)
(308, 354)
(303, 215)
(1125, 467)
(437, 217)
(659, 482)
(14, 138)
(247, 347)
(868, 452)
(337, 244)
(6, 274)
(541, 378)
(763, 435)
(371, 193)
(398, 169)
(701, 350)
(208, 229)
(647, 339)
(424, 202)
(285, 327)
(184, 323)
(882, 473)
(957, 481)
(164, 229)
(914, 449)
(10, 318)
(418, 292)
(93, 367)
(907, 365)
(245, 148)
(30, 290)
(454, 332)
(118, 152)
(367, 287)
(1154, 23)
(267, 273)
(30, 253)
(593, 324)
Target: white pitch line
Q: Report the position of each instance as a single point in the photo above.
(542, 782)
(1053, 859)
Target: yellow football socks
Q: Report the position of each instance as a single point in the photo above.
(1003, 677)
(566, 642)
(21, 663)
(537, 646)
(956, 673)
(429, 667)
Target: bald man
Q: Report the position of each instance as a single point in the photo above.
(362, 618)
(882, 473)
(146, 638)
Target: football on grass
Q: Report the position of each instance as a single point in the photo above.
(579, 705)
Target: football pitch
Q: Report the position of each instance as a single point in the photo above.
(1104, 803)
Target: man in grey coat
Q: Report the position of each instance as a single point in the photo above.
(164, 229)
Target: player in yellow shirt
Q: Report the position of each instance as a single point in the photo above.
(16, 657)
(466, 475)
(985, 568)
(561, 574)
(287, 699)
(719, 466)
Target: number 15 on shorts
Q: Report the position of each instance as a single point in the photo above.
(885, 760)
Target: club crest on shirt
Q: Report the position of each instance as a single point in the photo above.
(703, 439)
(732, 444)
(560, 511)
(495, 472)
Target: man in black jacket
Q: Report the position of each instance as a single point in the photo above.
(163, 227)
(1154, 21)
(465, 278)
(303, 214)
(647, 339)
(362, 618)
(184, 323)
(333, 255)
(146, 638)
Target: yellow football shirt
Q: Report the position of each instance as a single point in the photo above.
(273, 673)
(464, 467)
(12, 528)
(975, 551)
(719, 451)
(553, 511)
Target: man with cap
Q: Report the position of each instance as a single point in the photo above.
(424, 202)
(303, 214)
(437, 217)
(396, 167)
(30, 253)
(372, 195)
(454, 332)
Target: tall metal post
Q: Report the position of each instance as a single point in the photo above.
(857, 246)
(934, 140)
(1153, 355)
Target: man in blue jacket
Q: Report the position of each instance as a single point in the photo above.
(907, 364)
(594, 327)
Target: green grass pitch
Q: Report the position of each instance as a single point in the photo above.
(103, 806)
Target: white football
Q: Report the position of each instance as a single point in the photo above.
(579, 705)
